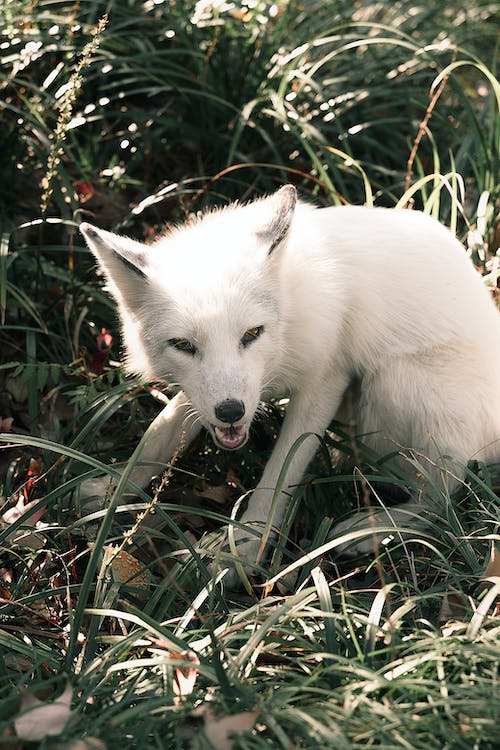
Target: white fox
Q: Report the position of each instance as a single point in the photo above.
(278, 298)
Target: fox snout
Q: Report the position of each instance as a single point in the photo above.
(230, 410)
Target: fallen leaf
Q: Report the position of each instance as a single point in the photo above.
(104, 339)
(452, 628)
(127, 569)
(5, 577)
(492, 571)
(89, 743)
(23, 536)
(219, 729)
(184, 676)
(10, 743)
(18, 388)
(32, 474)
(38, 719)
(242, 15)
(493, 567)
(18, 663)
(287, 582)
(453, 606)
(220, 493)
(21, 508)
(6, 424)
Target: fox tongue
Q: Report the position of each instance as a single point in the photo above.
(230, 437)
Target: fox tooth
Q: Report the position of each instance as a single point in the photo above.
(231, 437)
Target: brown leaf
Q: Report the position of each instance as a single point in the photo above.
(127, 569)
(89, 743)
(22, 508)
(287, 582)
(453, 606)
(220, 494)
(6, 424)
(17, 388)
(21, 536)
(493, 567)
(38, 719)
(34, 468)
(493, 571)
(5, 577)
(184, 676)
(219, 729)
(7, 734)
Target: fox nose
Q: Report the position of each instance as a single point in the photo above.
(230, 410)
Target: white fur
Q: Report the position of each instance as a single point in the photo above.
(382, 296)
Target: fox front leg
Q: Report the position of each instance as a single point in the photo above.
(306, 420)
(174, 428)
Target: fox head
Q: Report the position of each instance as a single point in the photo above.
(201, 308)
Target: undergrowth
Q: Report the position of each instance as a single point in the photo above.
(135, 114)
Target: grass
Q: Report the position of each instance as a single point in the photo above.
(134, 115)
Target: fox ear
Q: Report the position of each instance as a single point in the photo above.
(283, 203)
(124, 261)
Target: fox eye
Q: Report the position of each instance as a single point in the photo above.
(183, 345)
(251, 335)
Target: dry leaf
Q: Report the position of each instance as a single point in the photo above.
(222, 493)
(22, 536)
(493, 567)
(22, 508)
(38, 719)
(185, 677)
(33, 472)
(452, 628)
(453, 606)
(17, 663)
(127, 569)
(287, 582)
(5, 577)
(493, 571)
(89, 743)
(219, 729)
(18, 388)
(7, 740)
(6, 424)
(217, 493)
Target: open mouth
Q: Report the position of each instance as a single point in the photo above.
(231, 437)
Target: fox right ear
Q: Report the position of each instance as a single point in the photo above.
(283, 203)
(124, 262)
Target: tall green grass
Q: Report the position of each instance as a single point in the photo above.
(132, 114)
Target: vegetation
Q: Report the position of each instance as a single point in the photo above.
(113, 630)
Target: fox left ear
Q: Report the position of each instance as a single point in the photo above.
(283, 202)
(124, 262)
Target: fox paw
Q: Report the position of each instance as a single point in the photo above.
(377, 529)
(247, 552)
(360, 546)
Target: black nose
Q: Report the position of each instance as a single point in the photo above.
(230, 410)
